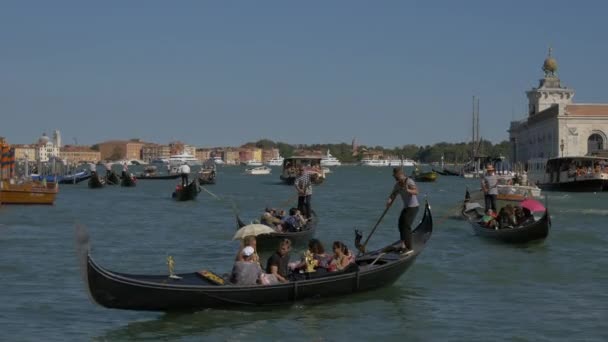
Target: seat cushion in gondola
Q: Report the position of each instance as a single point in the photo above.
(211, 277)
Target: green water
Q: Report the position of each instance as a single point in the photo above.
(461, 288)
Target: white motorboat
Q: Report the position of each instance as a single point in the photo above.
(374, 162)
(276, 161)
(261, 170)
(180, 159)
(387, 162)
(218, 160)
(330, 160)
(253, 163)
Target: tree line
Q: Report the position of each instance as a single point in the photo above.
(452, 152)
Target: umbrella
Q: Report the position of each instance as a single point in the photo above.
(532, 205)
(252, 229)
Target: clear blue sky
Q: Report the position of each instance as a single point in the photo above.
(227, 72)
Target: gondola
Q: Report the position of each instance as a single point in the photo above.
(535, 230)
(75, 178)
(440, 172)
(424, 176)
(298, 239)
(128, 180)
(157, 177)
(95, 181)
(203, 289)
(187, 193)
(206, 177)
(112, 178)
(447, 172)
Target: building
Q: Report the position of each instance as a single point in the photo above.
(45, 149)
(178, 147)
(231, 156)
(269, 154)
(79, 154)
(555, 125)
(23, 152)
(151, 152)
(203, 154)
(121, 149)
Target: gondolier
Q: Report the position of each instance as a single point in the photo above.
(184, 171)
(406, 187)
(489, 186)
(304, 188)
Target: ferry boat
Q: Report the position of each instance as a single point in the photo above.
(180, 159)
(330, 160)
(312, 165)
(28, 192)
(275, 161)
(580, 174)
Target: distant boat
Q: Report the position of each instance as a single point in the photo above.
(330, 160)
(262, 170)
(28, 193)
(276, 161)
(218, 160)
(253, 163)
(387, 162)
(180, 159)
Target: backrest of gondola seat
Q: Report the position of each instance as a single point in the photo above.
(211, 277)
(352, 267)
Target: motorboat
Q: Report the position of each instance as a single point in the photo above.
(276, 161)
(261, 170)
(253, 163)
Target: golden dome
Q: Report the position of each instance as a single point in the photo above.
(550, 64)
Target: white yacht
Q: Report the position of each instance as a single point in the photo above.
(374, 162)
(276, 161)
(179, 159)
(387, 162)
(399, 162)
(253, 163)
(330, 160)
(262, 170)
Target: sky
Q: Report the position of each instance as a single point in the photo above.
(227, 72)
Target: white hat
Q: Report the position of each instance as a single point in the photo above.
(248, 251)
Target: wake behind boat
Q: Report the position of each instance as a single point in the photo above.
(204, 289)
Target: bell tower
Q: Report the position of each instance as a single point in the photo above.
(549, 91)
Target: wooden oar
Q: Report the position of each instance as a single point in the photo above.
(362, 247)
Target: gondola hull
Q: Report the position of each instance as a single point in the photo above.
(267, 242)
(188, 193)
(534, 231)
(194, 292)
(585, 185)
(112, 179)
(95, 182)
(155, 177)
(206, 178)
(128, 181)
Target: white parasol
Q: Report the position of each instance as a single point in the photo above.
(252, 229)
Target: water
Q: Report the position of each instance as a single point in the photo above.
(460, 288)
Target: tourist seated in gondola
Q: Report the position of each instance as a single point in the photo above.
(489, 219)
(320, 259)
(277, 264)
(294, 222)
(246, 271)
(269, 219)
(523, 216)
(249, 241)
(342, 257)
(506, 217)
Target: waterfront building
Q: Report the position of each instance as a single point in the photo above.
(556, 126)
(79, 154)
(121, 149)
(46, 149)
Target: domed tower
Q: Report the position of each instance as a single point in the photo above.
(549, 92)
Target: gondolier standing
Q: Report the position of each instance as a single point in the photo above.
(406, 187)
(304, 188)
(184, 171)
(489, 185)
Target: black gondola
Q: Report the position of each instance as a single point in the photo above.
(112, 178)
(200, 290)
(128, 180)
(206, 177)
(187, 193)
(157, 177)
(95, 181)
(75, 178)
(535, 230)
(298, 239)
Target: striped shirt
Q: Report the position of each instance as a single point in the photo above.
(303, 183)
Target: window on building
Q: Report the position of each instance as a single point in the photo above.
(595, 143)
